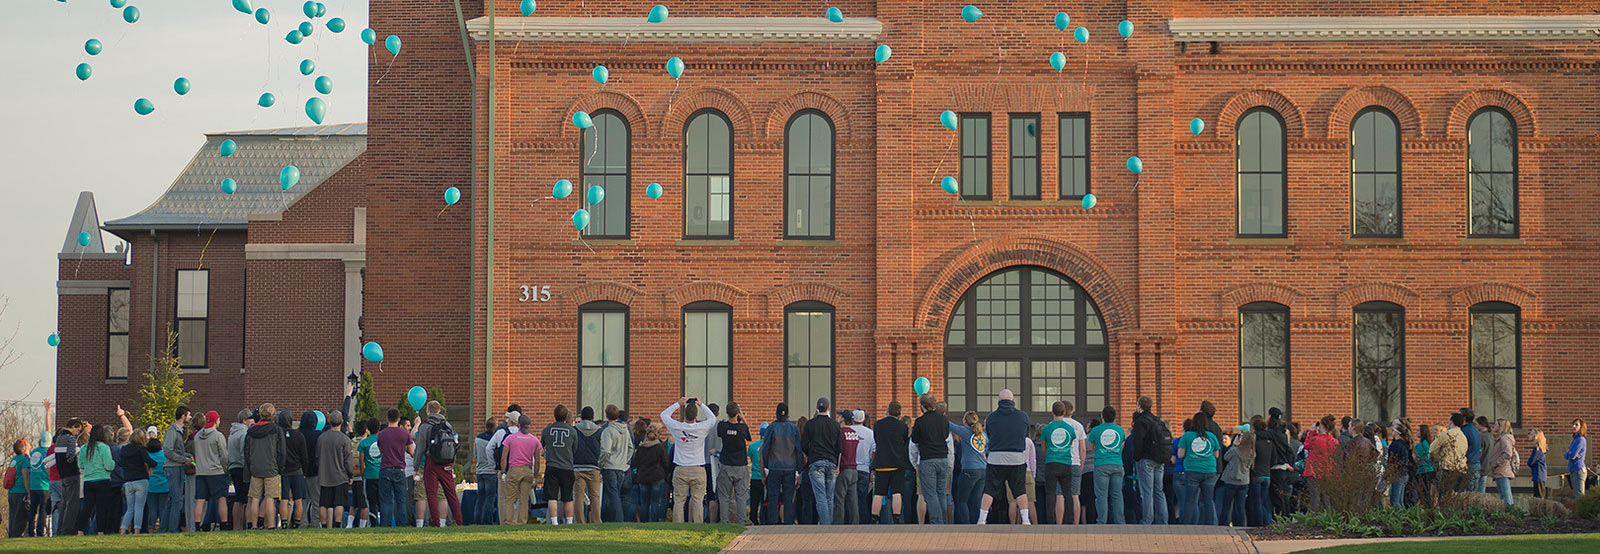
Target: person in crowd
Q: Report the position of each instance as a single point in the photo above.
(484, 466)
(780, 466)
(1536, 464)
(1503, 459)
(1423, 476)
(734, 489)
(931, 434)
(866, 446)
(1060, 444)
(1474, 438)
(1239, 459)
(96, 463)
(522, 456)
(973, 445)
(1320, 444)
(758, 489)
(334, 477)
(586, 467)
(67, 466)
(557, 438)
(1449, 455)
(845, 508)
(1401, 459)
(211, 470)
(394, 443)
(1008, 440)
(175, 447)
(292, 479)
(819, 440)
(1180, 479)
(493, 450)
(890, 463)
(1282, 473)
(17, 495)
(1034, 452)
(39, 482)
(616, 448)
(241, 485)
(652, 463)
(688, 437)
(713, 468)
(1108, 440)
(438, 463)
(1577, 457)
(160, 491)
(1151, 439)
(1198, 449)
(1258, 507)
(310, 469)
(371, 469)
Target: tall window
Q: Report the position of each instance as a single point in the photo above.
(976, 171)
(1492, 173)
(1263, 358)
(1074, 155)
(1496, 360)
(707, 349)
(603, 354)
(1025, 156)
(193, 310)
(1380, 357)
(808, 354)
(117, 334)
(808, 155)
(708, 176)
(607, 161)
(1262, 174)
(1375, 174)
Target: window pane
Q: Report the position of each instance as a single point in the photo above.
(1271, 135)
(1263, 360)
(694, 383)
(821, 204)
(1386, 142)
(695, 145)
(958, 326)
(590, 338)
(821, 145)
(117, 357)
(1380, 364)
(694, 338)
(192, 343)
(593, 384)
(192, 293)
(118, 311)
(616, 348)
(821, 339)
(717, 338)
(1271, 204)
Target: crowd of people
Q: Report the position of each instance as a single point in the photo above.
(704, 462)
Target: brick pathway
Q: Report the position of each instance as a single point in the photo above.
(1154, 539)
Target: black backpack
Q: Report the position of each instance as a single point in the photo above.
(442, 444)
(505, 433)
(1161, 440)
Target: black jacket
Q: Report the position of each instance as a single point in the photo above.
(309, 432)
(1282, 453)
(294, 452)
(1151, 438)
(929, 432)
(820, 440)
(890, 436)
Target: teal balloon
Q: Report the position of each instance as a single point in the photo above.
(84, 71)
(322, 9)
(369, 36)
(1081, 34)
(596, 194)
(83, 238)
(948, 119)
(1089, 201)
(307, 67)
(1197, 125)
(118, 4)
(324, 84)
(230, 186)
(306, 28)
(601, 74)
(130, 14)
(309, 8)
(181, 86)
(1125, 28)
(882, 53)
(949, 185)
(143, 106)
(372, 352)
(580, 219)
(528, 6)
(393, 44)
(316, 109)
(582, 120)
(451, 196)
(417, 397)
(243, 6)
(675, 67)
(53, 340)
(657, 14)
(920, 386)
(322, 420)
(227, 148)
(971, 13)
(294, 37)
(1135, 164)
(835, 15)
(266, 100)
(1058, 60)
(1062, 20)
(288, 177)
(336, 25)
(562, 189)
(93, 47)
(263, 16)
(653, 191)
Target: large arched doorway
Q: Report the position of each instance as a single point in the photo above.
(1031, 330)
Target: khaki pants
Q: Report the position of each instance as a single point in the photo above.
(688, 485)
(588, 488)
(515, 489)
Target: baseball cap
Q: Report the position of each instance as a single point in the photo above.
(212, 417)
(245, 414)
(822, 403)
(152, 431)
(764, 427)
(861, 416)
(783, 409)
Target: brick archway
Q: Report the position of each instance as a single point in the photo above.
(715, 98)
(1359, 98)
(1228, 117)
(627, 105)
(1456, 124)
(960, 274)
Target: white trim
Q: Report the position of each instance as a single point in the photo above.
(72, 286)
(1573, 27)
(677, 29)
(92, 256)
(346, 252)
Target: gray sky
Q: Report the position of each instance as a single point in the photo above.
(59, 135)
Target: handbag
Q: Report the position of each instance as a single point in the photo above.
(11, 477)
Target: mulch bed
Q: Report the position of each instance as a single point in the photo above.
(1297, 531)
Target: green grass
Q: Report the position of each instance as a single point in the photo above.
(1531, 544)
(609, 538)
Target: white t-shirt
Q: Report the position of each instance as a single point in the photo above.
(1077, 442)
(689, 438)
(864, 447)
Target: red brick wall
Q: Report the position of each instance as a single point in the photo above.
(294, 345)
(81, 323)
(324, 215)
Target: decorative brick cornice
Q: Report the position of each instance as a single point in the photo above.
(1456, 124)
(678, 29)
(1368, 68)
(1356, 295)
(1566, 27)
(1465, 298)
(1360, 98)
(783, 296)
(600, 290)
(722, 100)
(1070, 96)
(716, 291)
(1238, 296)
(1228, 118)
(778, 117)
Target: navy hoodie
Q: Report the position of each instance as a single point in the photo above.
(1007, 428)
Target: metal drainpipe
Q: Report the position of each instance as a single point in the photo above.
(472, 279)
(155, 290)
(488, 367)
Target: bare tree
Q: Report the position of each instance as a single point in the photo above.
(8, 354)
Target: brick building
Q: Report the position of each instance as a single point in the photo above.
(1388, 210)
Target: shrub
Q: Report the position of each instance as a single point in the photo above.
(1588, 507)
(1471, 499)
(1351, 482)
(1543, 507)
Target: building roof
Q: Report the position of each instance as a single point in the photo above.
(84, 220)
(196, 201)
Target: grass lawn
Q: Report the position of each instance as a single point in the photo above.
(1531, 544)
(608, 538)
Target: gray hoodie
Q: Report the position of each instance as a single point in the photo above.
(175, 448)
(236, 445)
(616, 446)
(210, 452)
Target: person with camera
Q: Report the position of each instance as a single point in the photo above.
(689, 454)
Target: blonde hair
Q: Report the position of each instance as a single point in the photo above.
(122, 434)
(1539, 441)
(972, 420)
(1502, 427)
(654, 430)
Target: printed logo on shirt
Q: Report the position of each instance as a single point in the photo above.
(1110, 439)
(374, 451)
(558, 438)
(1200, 446)
(1058, 437)
(980, 443)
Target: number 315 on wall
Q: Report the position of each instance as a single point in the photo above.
(535, 293)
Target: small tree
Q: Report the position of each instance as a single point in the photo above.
(406, 411)
(163, 390)
(366, 401)
(436, 396)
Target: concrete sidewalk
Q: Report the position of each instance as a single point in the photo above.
(1011, 539)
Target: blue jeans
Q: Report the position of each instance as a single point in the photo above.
(1152, 501)
(1199, 505)
(630, 509)
(780, 496)
(823, 473)
(1108, 493)
(55, 508)
(155, 504)
(969, 495)
(1231, 510)
(134, 495)
(1397, 491)
(1504, 484)
(935, 483)
(179, 515)
(1261, 501)
(488, 509)
(1576, 479)
(651, 498)
(392, 497)
(1181, 493)
(1475, 476)
(611, 494)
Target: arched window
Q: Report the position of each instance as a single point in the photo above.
(1380, 360)
(1495, 359)
(607, 162)
(807, 354)
(808, 172)
(708, 352)
(1375, 174)
(708, 176)
(1263, 358)
(1492, 173)
(602, 354)
(1262, 174)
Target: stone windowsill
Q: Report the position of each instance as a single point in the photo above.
(819, 243)
(605, 242)
(707, 242)
(1489, 241)
(1376, 241)
(1265, 241)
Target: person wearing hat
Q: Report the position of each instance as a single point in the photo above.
(210, 469)
(820, 442)
(780, 466)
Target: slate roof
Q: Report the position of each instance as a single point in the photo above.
(196, 201)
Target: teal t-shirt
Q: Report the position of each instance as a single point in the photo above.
(370, 457)
(40, 475)
(754, 451)
(1201, 452)
(21, 463)
(1107, 439)
(1058, 437)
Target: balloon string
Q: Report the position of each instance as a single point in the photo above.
(386, 70)
(202, 263)
(942, 157)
